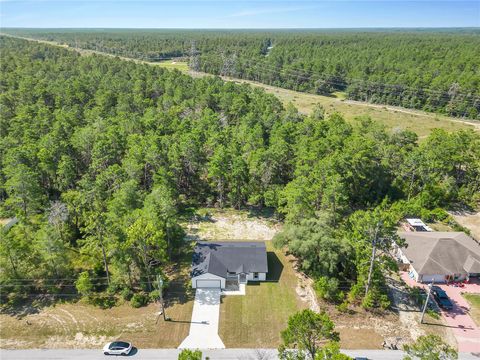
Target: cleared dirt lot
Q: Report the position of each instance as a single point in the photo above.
(229, 224)
(469, 220)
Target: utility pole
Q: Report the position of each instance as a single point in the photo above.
(426, 301)
(160, 290)
(372, 259)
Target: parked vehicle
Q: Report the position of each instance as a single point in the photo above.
(117, 348)
(442, 298)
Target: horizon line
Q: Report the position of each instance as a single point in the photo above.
(245, 28)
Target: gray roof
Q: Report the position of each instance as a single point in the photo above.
(220, 258)
(439, 252)
(472, 265)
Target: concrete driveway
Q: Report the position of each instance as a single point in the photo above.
(204, 324)
(466, 332)
(464, 328)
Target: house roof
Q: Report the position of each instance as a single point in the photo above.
(220, 258)
(441, 252)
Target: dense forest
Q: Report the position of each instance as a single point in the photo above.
(101, 157)
(432, 70)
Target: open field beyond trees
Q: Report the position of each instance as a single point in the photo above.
(420, 122)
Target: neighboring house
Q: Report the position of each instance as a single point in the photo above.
(216, 263)
(440, 256)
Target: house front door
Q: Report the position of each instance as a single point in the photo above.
(242, 278)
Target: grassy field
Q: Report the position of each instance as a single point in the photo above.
(474, 301)
(256, 319)
(420, 122)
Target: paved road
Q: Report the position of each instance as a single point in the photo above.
(172, 354)
(204, 326)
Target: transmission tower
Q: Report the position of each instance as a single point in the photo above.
(229, 65)
(194, 58)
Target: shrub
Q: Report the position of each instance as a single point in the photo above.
(187, 354)
(327, 288)
(432, 313)
(368, 301)
(126, 294)
(84, 284)
(343, 307)
(154, 295)
(384, 301)
(139, 300)
(103, 301)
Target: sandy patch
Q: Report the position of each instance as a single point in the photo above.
(469, 220)
(231, 226)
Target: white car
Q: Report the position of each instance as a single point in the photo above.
(117, 348)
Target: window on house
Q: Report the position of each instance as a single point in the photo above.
(255, 275)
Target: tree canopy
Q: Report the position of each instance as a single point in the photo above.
(99, 158)
(433, 70)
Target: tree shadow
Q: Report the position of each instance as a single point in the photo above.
(178, 292)
(275, 267)
(263, 212)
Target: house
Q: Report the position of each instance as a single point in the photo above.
(439, 256)
(216, 263)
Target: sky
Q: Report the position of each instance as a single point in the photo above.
(238, 14)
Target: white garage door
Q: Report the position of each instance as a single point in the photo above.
(208, 283)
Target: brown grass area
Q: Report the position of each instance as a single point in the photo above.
(81, 325)
(469, 220)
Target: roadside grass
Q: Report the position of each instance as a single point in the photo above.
(81, 325)
(474, 301)
(256, 319)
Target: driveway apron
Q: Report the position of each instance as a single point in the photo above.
(204, 325)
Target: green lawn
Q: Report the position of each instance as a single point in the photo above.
(256, 319)
(474, 301)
